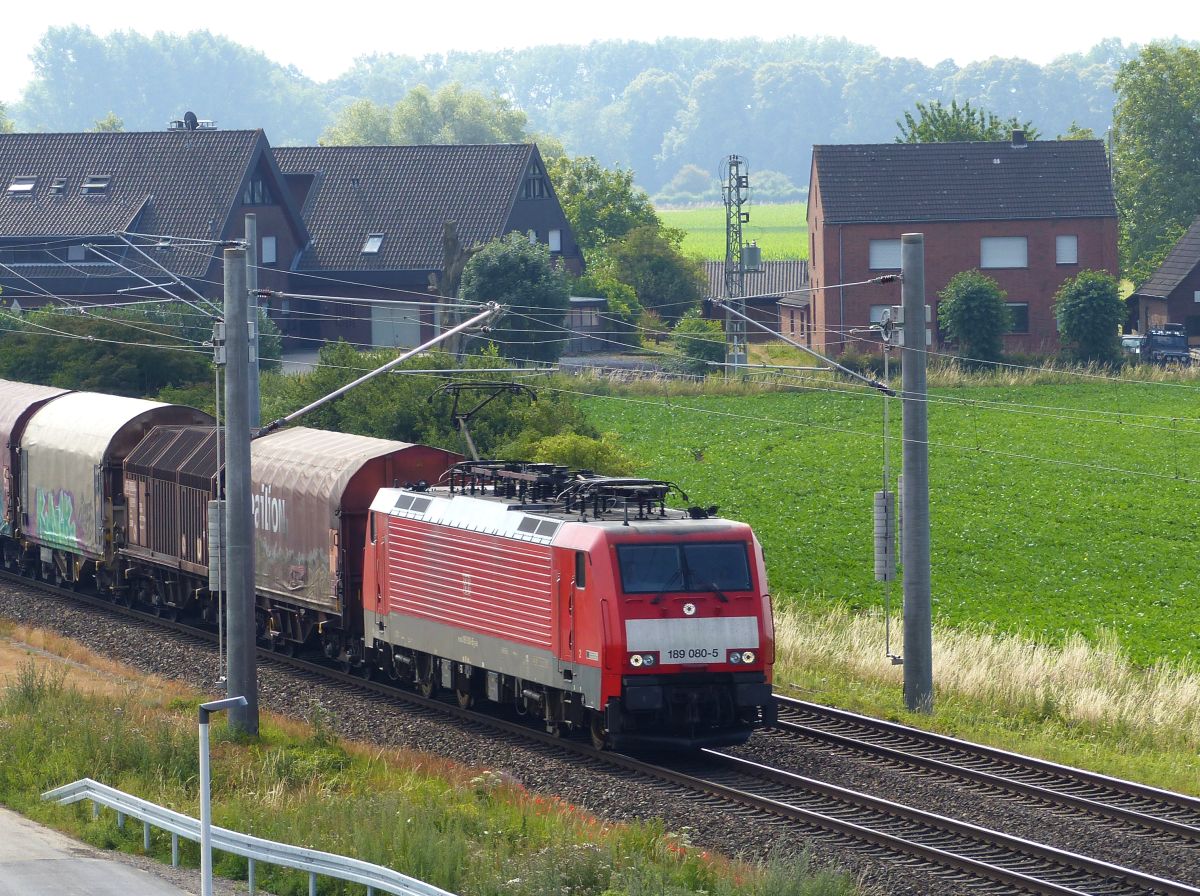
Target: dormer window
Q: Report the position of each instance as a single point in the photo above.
(535, 186)
(58, 186)
(257, 193)
(373, 244)
(22, 186)
(95, 185)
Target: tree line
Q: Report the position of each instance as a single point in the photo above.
(653, 108)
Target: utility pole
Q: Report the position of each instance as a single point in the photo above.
(252, 314)
(736, 194)
(239, 522)
(914, 511)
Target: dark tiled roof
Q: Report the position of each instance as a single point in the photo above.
(902, 182)
(405, 193)
(776, 278)
(1180, 261)
(184, 183)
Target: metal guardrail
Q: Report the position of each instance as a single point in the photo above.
(254, 849)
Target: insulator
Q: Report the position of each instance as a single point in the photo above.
(885, 536)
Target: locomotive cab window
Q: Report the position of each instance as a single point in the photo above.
(691, 566)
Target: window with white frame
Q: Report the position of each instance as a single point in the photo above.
(1066, 249)
(1004, 252)
(877, 312)
(884, 255)
(555, 240)
(267, 255)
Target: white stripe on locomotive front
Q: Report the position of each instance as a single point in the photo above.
(691, 640)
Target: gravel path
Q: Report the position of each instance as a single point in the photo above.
(611, 795)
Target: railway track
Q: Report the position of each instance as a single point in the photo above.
(1162, 813)
(965, 856)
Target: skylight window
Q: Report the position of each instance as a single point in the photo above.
(373, 244)
(22, 186)
(58, 186)
(95, 185)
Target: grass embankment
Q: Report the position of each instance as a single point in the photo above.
(471, 831)
(1064, 515)
(781, 231)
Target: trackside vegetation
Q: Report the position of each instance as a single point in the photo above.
(470, 831)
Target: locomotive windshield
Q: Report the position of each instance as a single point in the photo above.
(691, 566)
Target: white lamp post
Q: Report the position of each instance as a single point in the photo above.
(207, 709)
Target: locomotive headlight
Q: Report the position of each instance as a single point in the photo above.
(747, 656)
(635, 660)
(648, 659)
(735, 657)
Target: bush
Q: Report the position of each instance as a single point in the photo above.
(699, 340)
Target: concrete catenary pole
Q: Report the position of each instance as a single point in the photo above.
(239, 524)
(918, 615)
(252, 314)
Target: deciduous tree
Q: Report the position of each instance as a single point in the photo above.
(973, 314)
(935, 123)
(650, 260)
(451, 115)
(602, 204)
(1090, 312)
(1156, 138)
(518, 273)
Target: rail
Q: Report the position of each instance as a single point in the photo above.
(253, 849)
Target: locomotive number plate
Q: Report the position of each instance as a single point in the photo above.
(691, 640)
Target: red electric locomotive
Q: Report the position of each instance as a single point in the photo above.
(579, 598)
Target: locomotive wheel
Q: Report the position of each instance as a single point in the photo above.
(425, 682)
(599, 731)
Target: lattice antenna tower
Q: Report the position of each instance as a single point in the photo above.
(736, 193)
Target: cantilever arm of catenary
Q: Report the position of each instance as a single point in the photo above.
(874, 384)
(491, 310)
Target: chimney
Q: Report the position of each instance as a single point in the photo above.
(1018, 139)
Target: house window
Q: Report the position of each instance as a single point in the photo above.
(95, 185)
(1066, 249)
(373, 243)
(267, 256)
(76, 253)
(792, 321)
(1018, 317)
(877, 312)
(22, 186)
(885, 255)
(58, 186)
(257, 193)
(532, 237)
(555, 240)
(535, 183)
(1004, 252)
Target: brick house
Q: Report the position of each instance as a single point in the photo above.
(377, 217)
(104, 217)
(1029, 214)
(1172, 294)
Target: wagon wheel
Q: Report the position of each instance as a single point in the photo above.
(464, 697)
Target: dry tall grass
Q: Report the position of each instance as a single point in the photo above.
(1078, 682)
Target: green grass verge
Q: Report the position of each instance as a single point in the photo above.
(472, 833)
(781, 231)
(1055, 508)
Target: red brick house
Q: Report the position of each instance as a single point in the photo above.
(1029, 214)
(1172, 294)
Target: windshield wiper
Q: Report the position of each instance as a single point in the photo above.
(677, 575)
(717, 591)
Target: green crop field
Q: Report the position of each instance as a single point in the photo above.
(1055, 509)
(780, 230)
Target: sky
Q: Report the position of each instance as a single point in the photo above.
(323, 41)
